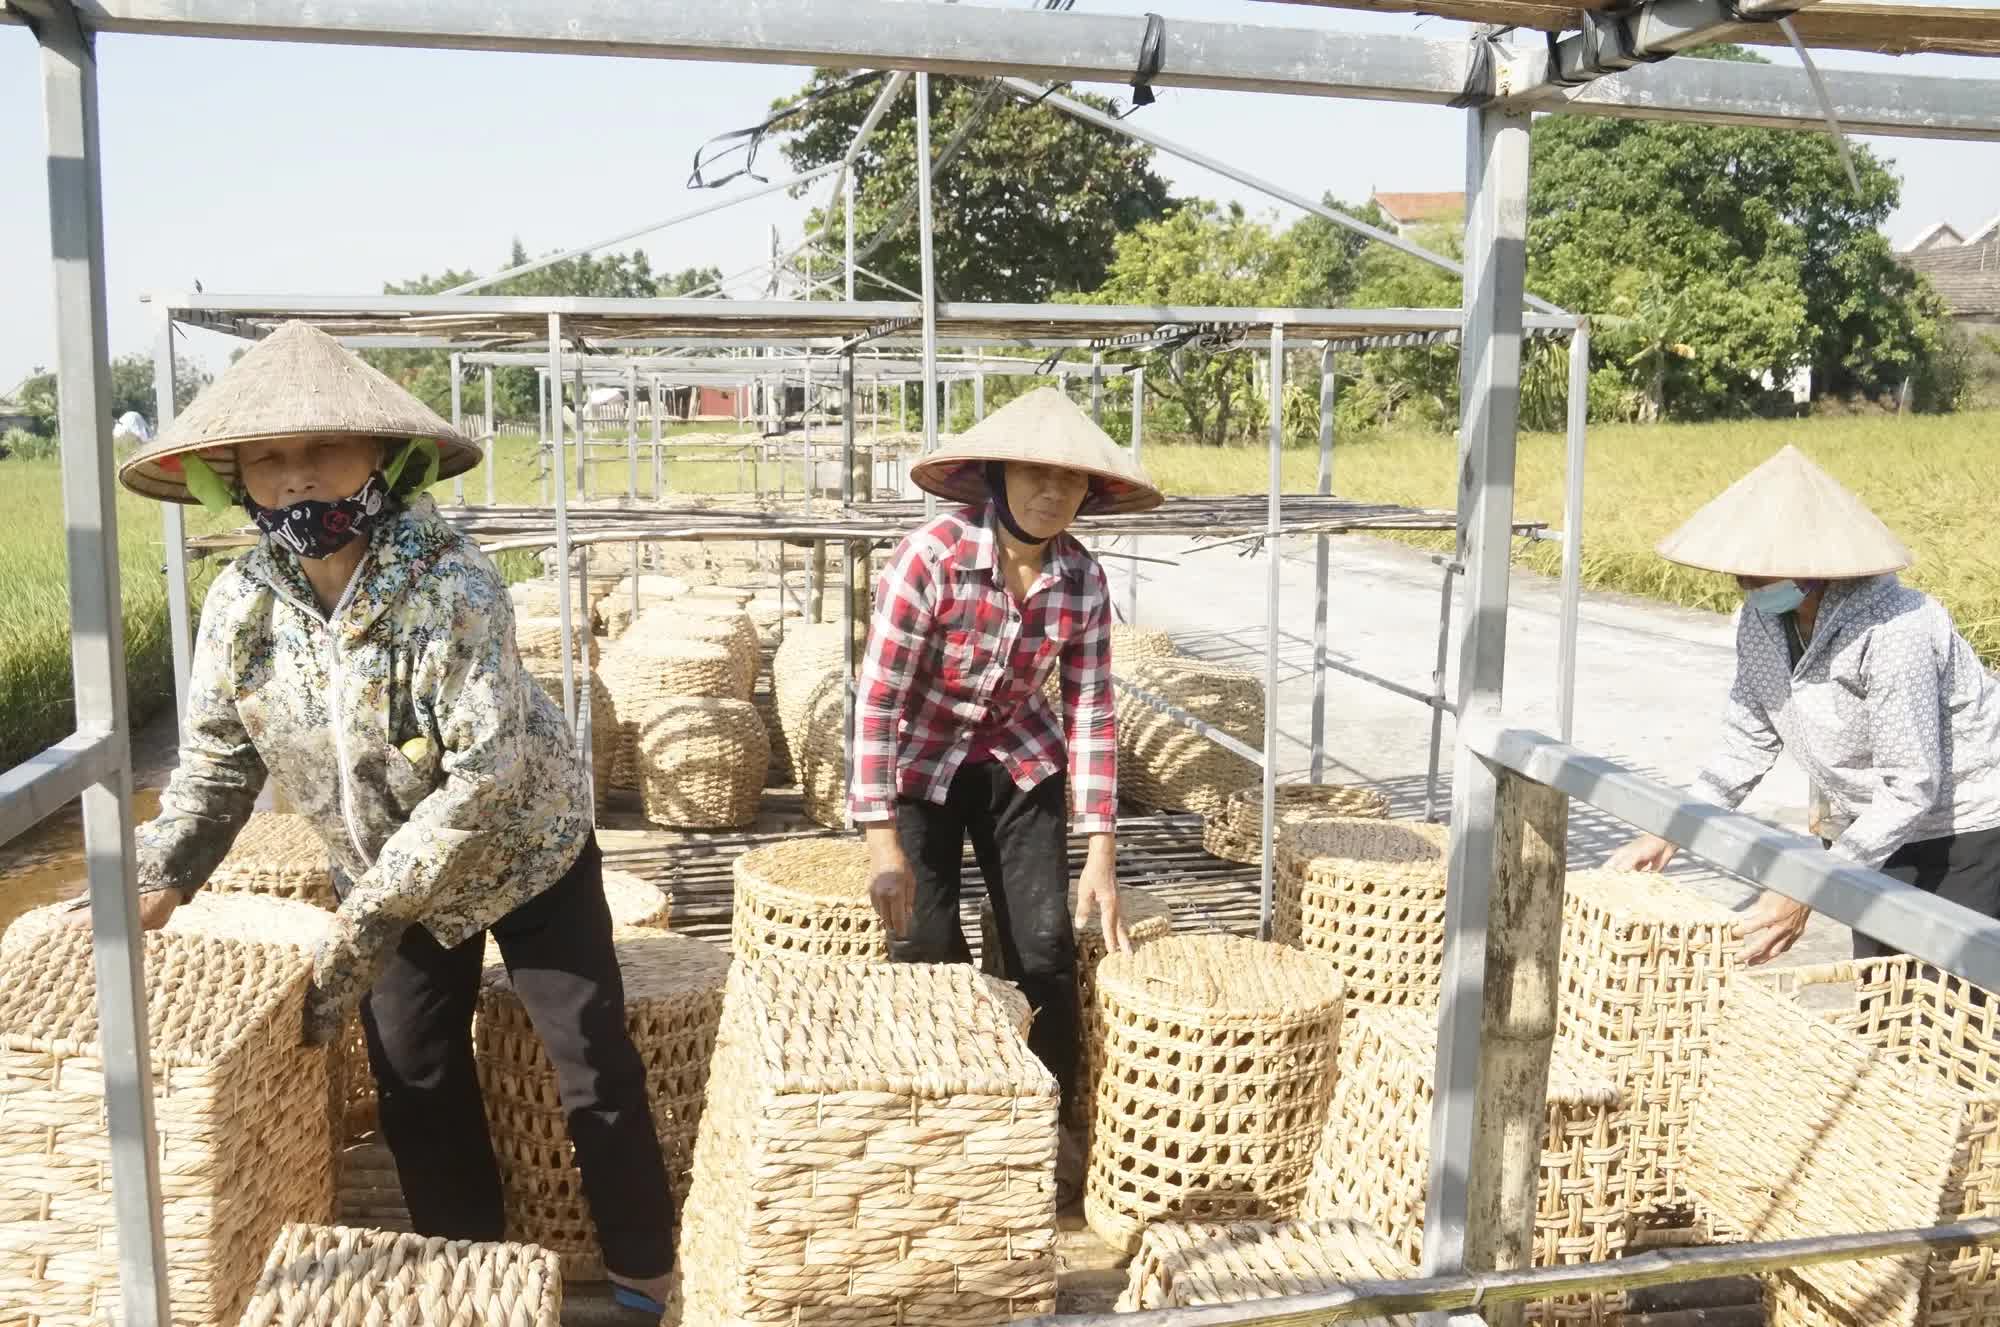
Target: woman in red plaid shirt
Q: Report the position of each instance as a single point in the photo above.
(954, 737)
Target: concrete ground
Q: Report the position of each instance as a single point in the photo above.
(1651, 679)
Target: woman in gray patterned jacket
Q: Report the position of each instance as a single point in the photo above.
(362, 658)
(1860, 679)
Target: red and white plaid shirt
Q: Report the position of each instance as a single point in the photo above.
(952, 658)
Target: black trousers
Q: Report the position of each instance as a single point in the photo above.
(559, 956)
(1960, 868)
(1021, 842)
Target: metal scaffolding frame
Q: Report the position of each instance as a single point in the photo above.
(1512, 785)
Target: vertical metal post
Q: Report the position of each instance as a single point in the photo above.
(847, 230)
(659, 456)
(1272, 528)
(1439, 677)
(1495, 271)
(1322, 556)
(542, 445)
(1572, 577)
(457, 420)
(1138, 448)
(1097, 388)
(173, 526)
(632, 438)
(929, 283)
(492, 435)
(97, 648)
(582, 395)
(562, 525)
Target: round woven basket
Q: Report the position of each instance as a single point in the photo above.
(737, 595)
(605, 735)
(653, 590)
(1166, 766)
(333, 1276)
(279, 855)
(1236, 833)
(1219, 1062)
(730, 628)
(673, 1001)
(806, 899)
(538, 598)
(540, 639)
(1369, 894)
(702, 763)
(643, 670)
(809, 652)
(779, 773)
(821, 758)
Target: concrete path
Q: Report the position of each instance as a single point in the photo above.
(1651, 679)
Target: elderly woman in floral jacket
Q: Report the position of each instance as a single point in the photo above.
(362, 658)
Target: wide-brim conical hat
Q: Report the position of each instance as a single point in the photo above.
(296, 382)
(1787, 519)
(1042, 427)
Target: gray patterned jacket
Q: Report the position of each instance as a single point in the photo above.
(1889, 712)
(443, 781)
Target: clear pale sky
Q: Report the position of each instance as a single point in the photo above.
(300, 169)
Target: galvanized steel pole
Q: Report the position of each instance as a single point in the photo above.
(173, 525)
(929, 282)
(1272, 528)
(1322, 556)
(1138, 445)
(1572, 571)
(562, 525)
(492, 435)
(457, 422)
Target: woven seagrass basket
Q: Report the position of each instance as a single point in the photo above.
(652, 590)
(1162, 764)
(240, 1108)
(1369, 894)
(605, 734)
(806, 898)
(643, 669)
(1181, 1266)
(808, 653)
(950, 1223)
(821, 754)
(1219, 1061)
(673, 1000)
(539, 639)
(1373, 1159)
(692, 619)
(778, 773)
(1887, 1116)
(280, 855)
(638, 908)
(333, 1276)
(1236, 832)
(702, 763)
(1129, 645)
(537, 598)
(1644, 967)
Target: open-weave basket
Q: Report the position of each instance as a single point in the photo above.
(821, 753)
(332, 1276)
(806, 898)
(278, 854)
(808, 653)
(1369, 894)
(1164, 765)
(730, 628)
(617, 610)
(1236, 833)
(1373, 1161)
(240, 1108)
(673, 1000)
(879, 1148)
(702, 763)
(1181, 1266)
(1886, 1115)
(641, 670)
(1146, 918)
(1219, 1060)
(605, 734)
(1644, 965)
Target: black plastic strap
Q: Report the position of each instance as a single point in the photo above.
(1479, 73)
(1152, 54)
(752, 137)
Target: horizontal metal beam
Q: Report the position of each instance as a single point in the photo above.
(1609, 43)
(991, 42)
(1946, 935)
(44, 784)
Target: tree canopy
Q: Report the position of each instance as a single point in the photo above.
(131, 389)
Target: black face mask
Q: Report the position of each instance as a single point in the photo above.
(318, 529)
(996, 484)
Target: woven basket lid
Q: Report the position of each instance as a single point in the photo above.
(1787, 518)
(1043, 427)
(296, 382)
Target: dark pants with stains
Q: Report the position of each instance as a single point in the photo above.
(561, 962)
(1960, 868)
(1021, 843)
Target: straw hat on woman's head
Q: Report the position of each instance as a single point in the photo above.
(297, 382)
(1043, 427)
(1787, 519)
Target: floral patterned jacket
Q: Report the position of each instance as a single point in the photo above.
(444, 782)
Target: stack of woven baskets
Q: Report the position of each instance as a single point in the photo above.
(642, 669)
(809, 652)
(1164, 765)
(540, 642)
(702, 762)
(634, 595)
(1236, 832)
(1369, 894)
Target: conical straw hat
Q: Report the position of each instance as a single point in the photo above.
(1043, 427)
(1787, 519)
(295, 382)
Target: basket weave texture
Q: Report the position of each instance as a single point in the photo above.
(653, 591)
(644, 669)
(1643, 971)
(604, 732)
(1887, 1116)
(808, 653)
(1181, 1266)
(332, 1276)
(239, 1103)
(1170, 768)
(1236, 833)
(539, 639)
(1369, 894)
(806, 898)
(1129, 645)
(694, 619)
(280, 855)
(702, 763)
(673, 1001)
(880, 1148)
(821, 754)
(1373, 1161)
(1219, 1061)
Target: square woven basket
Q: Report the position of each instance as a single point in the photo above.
(1887, 1117)
(239, 1106)
(333, 1276)
(1373, 1161)
(879, 1147)
(1185, 1266)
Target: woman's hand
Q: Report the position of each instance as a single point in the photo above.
(892, 885)
(1097, 891)
(1773, 926)
(1648, 852)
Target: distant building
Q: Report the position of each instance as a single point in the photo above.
(1940, 235)
(1966, 276)
(14, 415)
(1406, 210)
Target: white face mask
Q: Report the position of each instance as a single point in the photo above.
(1776, 599)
